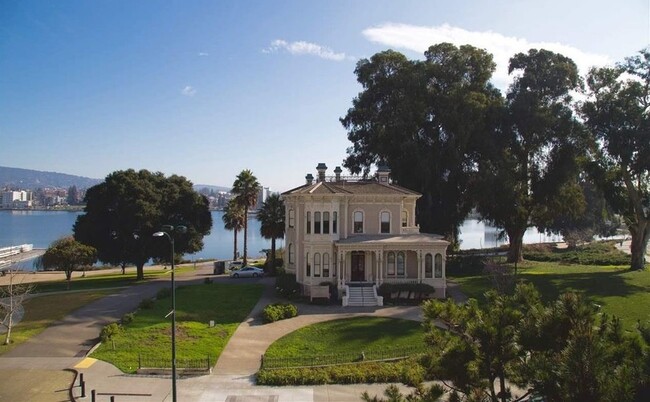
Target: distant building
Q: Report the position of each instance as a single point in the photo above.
(16, 199)
(261, 197)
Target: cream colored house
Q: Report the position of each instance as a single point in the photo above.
(358, 234)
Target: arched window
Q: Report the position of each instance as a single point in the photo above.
(292, 254)
(308, 222)
(358, 222)
(308, 265)
(292, 218)
(390, 264)
(317, 264)
(385, 222)
(400, 263)
(326, 222)
(438, 266)
(316, 222)
(326, 265)
(334, 222)
(428, 266)
(405, 219)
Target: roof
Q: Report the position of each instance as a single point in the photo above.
(378, 239)
(368, 187)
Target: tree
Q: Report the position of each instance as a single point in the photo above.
(426, 120)
(233, 219)
(73, 195)
(246, 188)
(68, 255)
(531, 164)
(617, 115)
(124, 211)
(271, 217)
(12, 298)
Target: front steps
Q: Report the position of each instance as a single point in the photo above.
(363, 296)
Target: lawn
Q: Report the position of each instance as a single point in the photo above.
(149, 334)
(42, 311)
(620, 292)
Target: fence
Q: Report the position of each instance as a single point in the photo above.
(146, 363)
(340, 358)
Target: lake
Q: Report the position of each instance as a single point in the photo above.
(41, 228)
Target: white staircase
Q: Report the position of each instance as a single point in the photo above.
(362, 296)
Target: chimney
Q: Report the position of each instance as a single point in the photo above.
(309, 178)
(337, 172)
(383, 173)
(322, 168)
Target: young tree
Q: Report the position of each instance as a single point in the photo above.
(12, 298)
(246, 189)
(68, 255)
(533, 155)
(426, 120)
(233, 219)
(124, 211)
(617, 114)
(271, 217)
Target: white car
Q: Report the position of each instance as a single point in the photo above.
(232, 265)
(247, 272)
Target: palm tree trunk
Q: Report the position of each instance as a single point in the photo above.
(272, 268)
(234, 251)
(245, 234)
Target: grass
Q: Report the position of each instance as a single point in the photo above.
(348, 336)
(149, 333)
(620, 292)
(42, 311)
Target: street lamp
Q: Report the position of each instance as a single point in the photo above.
(166, 230)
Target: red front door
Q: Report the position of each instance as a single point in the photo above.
(358, 268)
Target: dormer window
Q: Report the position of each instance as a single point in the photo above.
(358, 222)
(405, 218)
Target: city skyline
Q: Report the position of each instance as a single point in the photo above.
(206, 89)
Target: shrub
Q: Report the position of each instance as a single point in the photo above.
(128, 318)
(405, 291)
(163, 293)
(147, 304)
(286, 286)
(595, 253)
(278, 311)
(109, 331)
(464, 265)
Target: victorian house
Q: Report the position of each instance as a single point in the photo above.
(357, 234)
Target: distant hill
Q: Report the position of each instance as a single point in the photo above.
(26, 179)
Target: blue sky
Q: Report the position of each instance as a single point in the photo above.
(208, 88)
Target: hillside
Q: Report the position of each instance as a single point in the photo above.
(26, 179)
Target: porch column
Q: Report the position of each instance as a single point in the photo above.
(419, 253)
(342, 265)
(380, 270)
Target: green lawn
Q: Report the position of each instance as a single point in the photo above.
(42, 311)
(348, 336)
(150, 332)
(620, 292)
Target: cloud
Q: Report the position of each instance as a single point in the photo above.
(419, 38)
(302, 47)
(203, 54)
(188, 91)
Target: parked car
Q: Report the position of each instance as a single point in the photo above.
(233, 265)
(247, 272)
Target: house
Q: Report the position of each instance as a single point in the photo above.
(357, 234)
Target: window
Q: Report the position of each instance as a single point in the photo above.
(292, 254)
(438, 271)
(334, 222)
(292, 218)
(400, 263)
(428, 266)
(334, 266)
(405, 219)
(326, 222)
(390, 264)
(308, 266)
(316, 222)
(326, 265)
(308, 222)
(358, 222)
(385, 222)
(317, 264)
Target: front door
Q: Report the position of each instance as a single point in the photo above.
(358, 268)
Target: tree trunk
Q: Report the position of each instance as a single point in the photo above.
(515, 251)
(245, 235)
(10, 320)
(123, 268)
(234, 251)
(640, 237)
(139, 267)
(272, 267)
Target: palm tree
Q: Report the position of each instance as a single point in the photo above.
(271, 217)
(246, 187)
(233, 219)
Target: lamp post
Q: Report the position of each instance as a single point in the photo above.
(166, 230)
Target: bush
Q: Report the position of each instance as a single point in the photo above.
(405, 291)
(595, 253)
(109, 331)
(286, 286)
(147, 304)
(163, 293)
(128, 318)
(464, 265)
(278, 311)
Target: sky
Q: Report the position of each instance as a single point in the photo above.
(205, 89)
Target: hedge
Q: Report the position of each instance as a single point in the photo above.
(279, 311)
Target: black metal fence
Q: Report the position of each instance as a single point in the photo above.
(146, 362)
(340, 358)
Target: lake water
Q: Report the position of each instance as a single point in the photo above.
(41, 228)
